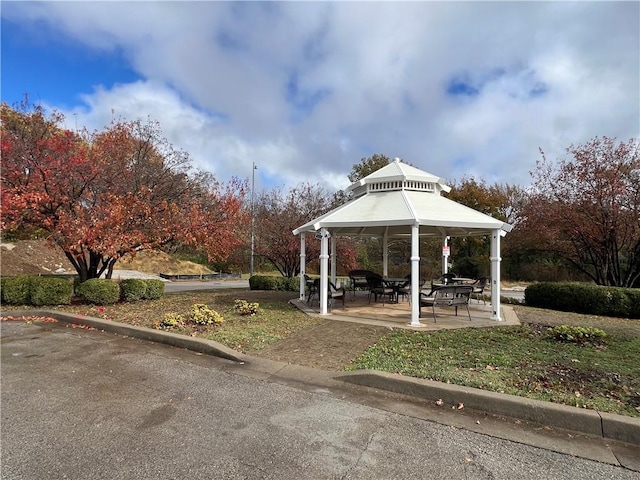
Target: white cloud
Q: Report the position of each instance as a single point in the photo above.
(306, 90)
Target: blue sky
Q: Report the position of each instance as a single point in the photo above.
(307, 89)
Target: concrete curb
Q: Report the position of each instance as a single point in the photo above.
(591, 422)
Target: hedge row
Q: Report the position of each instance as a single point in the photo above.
(99, 291)
(31, 290)
(263, 282)
(37, 290)
(584, 298)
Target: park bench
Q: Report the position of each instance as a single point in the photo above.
(446, 296)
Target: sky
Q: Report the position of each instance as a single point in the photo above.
(305, 90)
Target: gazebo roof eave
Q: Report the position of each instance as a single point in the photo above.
(449, 228)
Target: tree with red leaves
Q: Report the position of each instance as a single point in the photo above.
(586, 210)
(277, 214)
(102, 195)
(471, 254)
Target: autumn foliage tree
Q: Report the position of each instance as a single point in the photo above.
(278, 213)
(471, 254)
(586, 210)
(104, 194)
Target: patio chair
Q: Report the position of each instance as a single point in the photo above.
(478, 288)
(377, 287)
(404, 289)
(358, 279)
(448, 278)
(335, 293)
(313, 287)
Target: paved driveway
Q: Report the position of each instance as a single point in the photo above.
(82, 404)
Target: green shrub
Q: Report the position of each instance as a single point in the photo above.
(614, 302)
(575, 334)
(266, 282)
(261, 282)
(132, 289)
(584, 298)
(155, 289)
(15, 290)
(99, 291)
(169, 321)
(50, 291)
(243, 307)
(201, 314)
(291, 284)
(634, 302)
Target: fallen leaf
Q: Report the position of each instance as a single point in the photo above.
(460, 406)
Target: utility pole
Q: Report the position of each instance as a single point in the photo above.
(253, 181)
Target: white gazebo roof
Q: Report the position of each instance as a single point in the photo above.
(396, 197)
(399, 200)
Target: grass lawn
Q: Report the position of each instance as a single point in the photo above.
(521, 361)
(515, 360)
(275, 321)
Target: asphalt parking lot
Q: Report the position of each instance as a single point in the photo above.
(86, 404)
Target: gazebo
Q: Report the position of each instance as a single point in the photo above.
(400, 201)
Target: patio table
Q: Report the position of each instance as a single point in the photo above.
(394, 283)
(462, 280)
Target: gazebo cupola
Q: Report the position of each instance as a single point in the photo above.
(398, 176)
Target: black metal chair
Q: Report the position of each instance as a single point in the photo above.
(404, 289)
(335, 293)
(313, 287)
(448, 278)
(358, 279)
(377, 288)
(478, 288)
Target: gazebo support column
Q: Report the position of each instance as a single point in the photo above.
(385, 253)
(415, 275)
(333, 259)
(495, 274)
(303, 270)
(324, 269)
(445, 256)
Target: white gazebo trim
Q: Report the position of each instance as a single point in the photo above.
(401, 201)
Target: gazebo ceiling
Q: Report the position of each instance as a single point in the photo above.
(396, 197)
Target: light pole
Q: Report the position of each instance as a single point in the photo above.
(253, 181)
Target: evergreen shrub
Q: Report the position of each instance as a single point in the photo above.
(132, 289)
(15, 290)
(99, 291)
(266, 282)
(155, 289)
(584, 298)
(50, 291)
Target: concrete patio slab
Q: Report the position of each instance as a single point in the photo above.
(358, 309)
